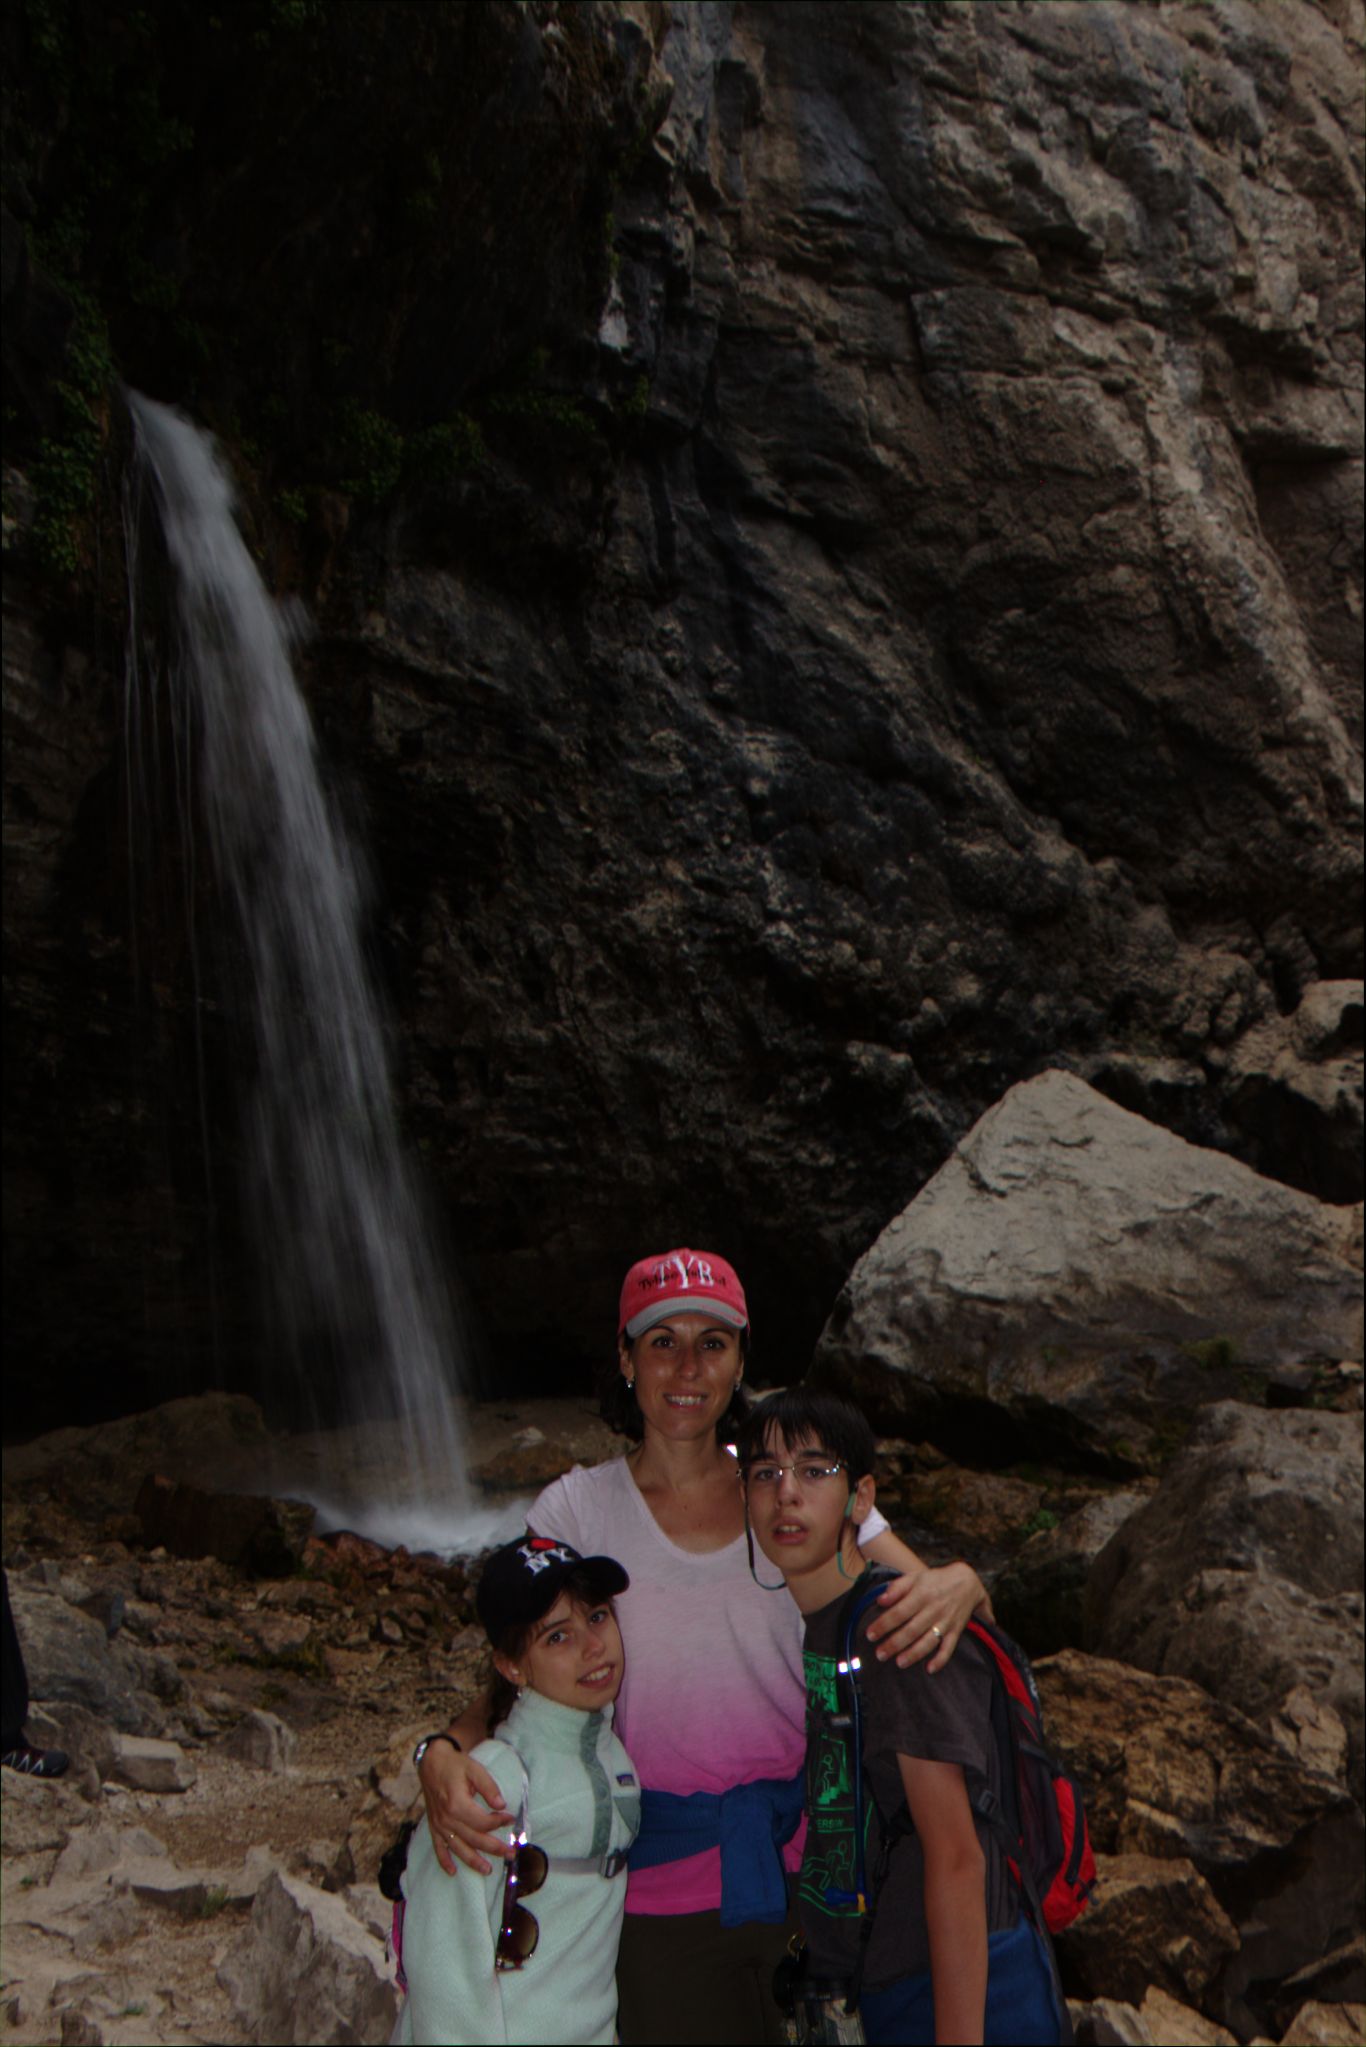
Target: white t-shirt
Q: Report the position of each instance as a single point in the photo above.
(713, 1694)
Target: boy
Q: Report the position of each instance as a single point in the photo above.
(950, 1957)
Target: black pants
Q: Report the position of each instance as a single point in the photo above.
(13, 1677)
(684, 1980)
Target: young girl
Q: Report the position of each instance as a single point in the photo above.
(528, 1952)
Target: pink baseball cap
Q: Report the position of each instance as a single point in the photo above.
(680, 1282)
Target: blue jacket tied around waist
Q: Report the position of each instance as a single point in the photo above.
(749, 1824)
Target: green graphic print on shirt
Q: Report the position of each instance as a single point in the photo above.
(829, 1862)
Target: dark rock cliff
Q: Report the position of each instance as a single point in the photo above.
(898, 630)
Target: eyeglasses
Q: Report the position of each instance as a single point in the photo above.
(810, 1473)
(519, 1933)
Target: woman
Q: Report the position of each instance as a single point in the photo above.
(712, 1708)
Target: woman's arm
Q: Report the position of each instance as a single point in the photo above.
(923, 1600)
(955, 1896)
(464, 1805)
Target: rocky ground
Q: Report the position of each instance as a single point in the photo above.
(223, 1726)
(241, 1726)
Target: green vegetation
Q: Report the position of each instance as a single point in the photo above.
(1214, 1353)
(292, 505)
(67, 465)
(304, 1659)
(370, 450)
(450, 448)
(213, 1902)
(1041, 1519)
(1168, 1437)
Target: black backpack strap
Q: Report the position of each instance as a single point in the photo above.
(987, 1806)
(857, 1603)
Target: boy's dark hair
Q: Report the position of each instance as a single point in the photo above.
(582, 1588)
(818, 1418)
(618, 1407)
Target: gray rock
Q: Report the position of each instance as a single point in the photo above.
(70, 1659)
(80, 2028)
(262, 1739)
(1303, 1073)
(305, 1970)
(40, 1813)
(97, 1849)
(1154, 1919)
(1075, 1272)
(148, 1765)
(1244, 1571)
(265, 1536)
(1040, 1596)
(1106, 2022)
(61, 1723)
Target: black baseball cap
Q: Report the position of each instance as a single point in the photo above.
(522, 1580)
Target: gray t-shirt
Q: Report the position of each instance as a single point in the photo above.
(945, 1718)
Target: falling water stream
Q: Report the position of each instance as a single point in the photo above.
(362, 1307)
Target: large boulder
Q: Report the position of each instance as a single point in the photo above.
(1154, 1920)
(1244, 1571)
(306, 1970)
(1171, 1772)
(263, 1535)
(69, 1657)
(100, 1469)
(1076, 1275)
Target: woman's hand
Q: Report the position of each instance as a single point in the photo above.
(924, 1613)
(463, 1828)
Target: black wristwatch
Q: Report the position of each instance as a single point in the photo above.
(420, 1751)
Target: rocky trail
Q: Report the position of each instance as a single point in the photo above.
(238, 1743)
(241, 1727)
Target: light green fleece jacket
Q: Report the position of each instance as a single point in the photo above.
(583, 1800)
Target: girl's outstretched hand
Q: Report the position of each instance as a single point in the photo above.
(924, 1613)
(465, 1809)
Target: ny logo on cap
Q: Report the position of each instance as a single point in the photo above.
(539, 1554)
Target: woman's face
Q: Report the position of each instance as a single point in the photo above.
(574, 1655)
(685, 1370)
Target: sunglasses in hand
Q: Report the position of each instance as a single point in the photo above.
(526, 1872)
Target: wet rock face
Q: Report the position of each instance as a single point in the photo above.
(942, 697)
(945, 666)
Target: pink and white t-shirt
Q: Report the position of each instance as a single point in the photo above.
(713, 1694)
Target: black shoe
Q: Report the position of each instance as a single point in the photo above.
(36, 1762)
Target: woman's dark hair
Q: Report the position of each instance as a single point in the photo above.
(582, 1589)
(619, 1409)
(817, 1418)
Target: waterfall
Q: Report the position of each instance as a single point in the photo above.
(356, 1285)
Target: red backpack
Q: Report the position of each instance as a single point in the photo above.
(1045, 1839)
(1039, 1821)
